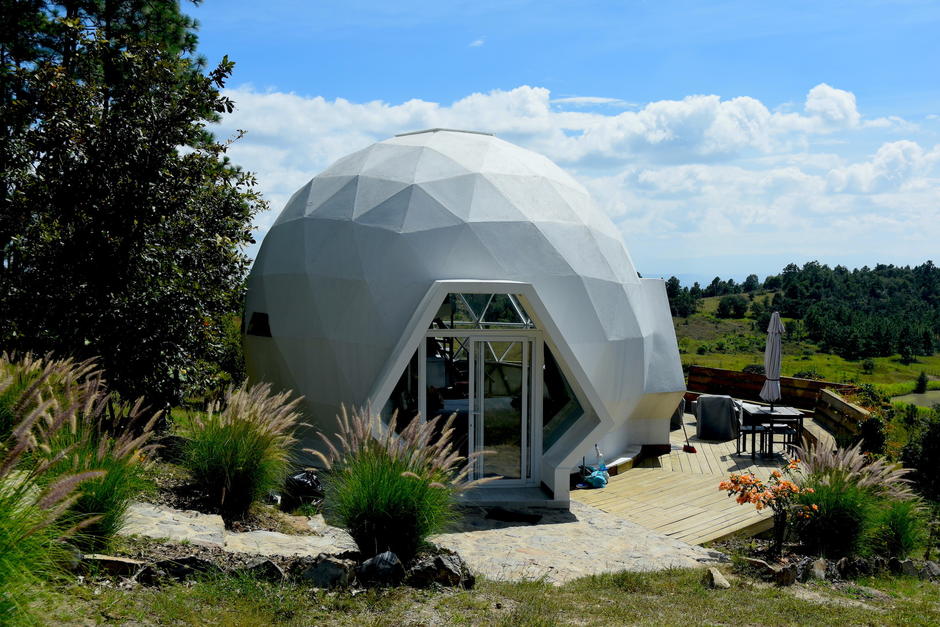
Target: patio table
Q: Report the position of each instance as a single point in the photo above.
(759, 415)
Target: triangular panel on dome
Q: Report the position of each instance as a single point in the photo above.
(390, 213)
(490, 204)
(328, 248)
(427, 213)
(337, 206)
(372, 192)
(537, 258)
(393, 163)
(296, 207)
(455, 194)
(434, 166)
(469, 150)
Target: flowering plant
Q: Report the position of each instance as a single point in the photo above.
(777, 494)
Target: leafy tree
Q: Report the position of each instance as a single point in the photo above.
(682, 302)
(921, 386)
(732, 306)
(751, 283)
(123, 223)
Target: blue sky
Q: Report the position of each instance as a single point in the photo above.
(721, 137)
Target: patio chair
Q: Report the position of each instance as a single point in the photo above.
(786, 433)
(749, 430)
(716, 417)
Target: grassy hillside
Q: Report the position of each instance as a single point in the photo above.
(706, 340)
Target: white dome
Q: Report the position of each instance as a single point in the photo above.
(350, 258)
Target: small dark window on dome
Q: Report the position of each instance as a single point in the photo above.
(258, 325)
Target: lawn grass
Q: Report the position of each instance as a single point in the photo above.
(664, 598)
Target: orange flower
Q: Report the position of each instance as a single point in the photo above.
(815, 507)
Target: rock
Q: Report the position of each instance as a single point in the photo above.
(329, 572)
(444, 568)
(187, 567)
(115, 566)
(265, 570)
(302, 488)
(878, 564)
(818, 569)
(845, 568)
(903, 567)
(714, 579)
(785, 575)
(166, 523)
(383, 569)
(781, 575)
(150, 575)
(910, 568)
(932, 569)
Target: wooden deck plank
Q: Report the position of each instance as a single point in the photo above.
(677, 493)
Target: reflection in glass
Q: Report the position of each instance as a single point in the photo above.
(482, 311)
(403, 402)
(502, 391)
(560, 406)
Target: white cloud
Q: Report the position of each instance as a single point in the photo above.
(590, 101)
(688, 181)
(476, 43)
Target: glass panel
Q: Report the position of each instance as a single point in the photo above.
(403, 402)
(501, 390)
(560, 406)
(448, 384)
(481, 311)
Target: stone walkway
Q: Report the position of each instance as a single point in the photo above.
(158, 521)
(563, 545)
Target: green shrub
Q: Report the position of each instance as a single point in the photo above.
(239, 453)
(922, 453)
(837, 527)
(872, 435)
(31, 503)
(391, 491)
(921, 385)
(112, 441)
(897, 528)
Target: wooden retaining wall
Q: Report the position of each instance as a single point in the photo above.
(838, 415)
(801, 393)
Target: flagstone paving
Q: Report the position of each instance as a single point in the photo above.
(561, 546)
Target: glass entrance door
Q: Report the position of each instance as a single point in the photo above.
(501, 407)
(487, 381)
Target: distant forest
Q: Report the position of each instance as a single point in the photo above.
(866, 312)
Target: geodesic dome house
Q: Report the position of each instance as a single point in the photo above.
(444, 272)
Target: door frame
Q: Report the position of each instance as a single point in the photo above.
(533, 360)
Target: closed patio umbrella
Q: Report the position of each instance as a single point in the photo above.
(771, 390)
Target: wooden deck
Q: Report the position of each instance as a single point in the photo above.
(677, 494)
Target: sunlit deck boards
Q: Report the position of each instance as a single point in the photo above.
(677, 494)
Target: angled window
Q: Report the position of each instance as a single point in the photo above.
(482, 311)
(560, 406)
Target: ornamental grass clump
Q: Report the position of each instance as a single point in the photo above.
(866, 504)
(392, 490)
(33, 502)
(100, 434)
(238, 452)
